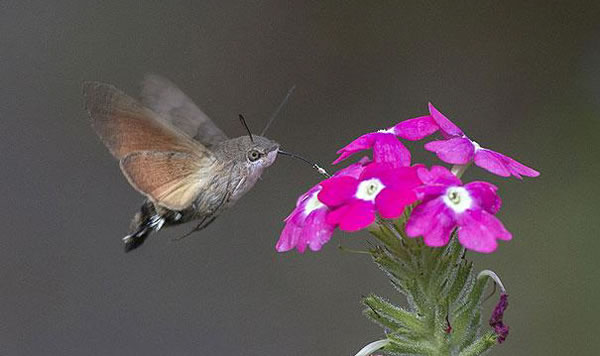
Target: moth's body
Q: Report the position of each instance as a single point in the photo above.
(173, 154)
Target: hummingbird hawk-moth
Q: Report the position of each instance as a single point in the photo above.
(173, 154)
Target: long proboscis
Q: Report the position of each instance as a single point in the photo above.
(276, 112)
(318, 168)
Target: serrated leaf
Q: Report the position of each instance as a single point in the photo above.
(393, 313)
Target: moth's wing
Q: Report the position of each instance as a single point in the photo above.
(160, 161)
(165, 98)
(170, 179)
(126, 126)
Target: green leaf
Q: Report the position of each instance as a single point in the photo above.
(403, 347)
(397, 315)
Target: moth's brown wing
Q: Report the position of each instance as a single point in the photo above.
(165, 98)
(170, 179)
(126, 126)
(159, 161)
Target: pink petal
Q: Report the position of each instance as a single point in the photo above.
(336, 215)
(490, 162)
(515, 168)
(484, 194)
(438, 175)
(364, 142)
(391, 203)
(376, 169)
(387, 149)
(291, 234)
(479, 230)
(337, 190)
(353, 216)
(308, 194)
(301, 231)
(431, 220)
(457, 150)
(296, 216)
(289, 238)
(436, 182)
(403, 178)
(354, 170)
(392, 177)
(316, 230)
(416, 129)
(305, 196)
(447, 127)
(427, 192)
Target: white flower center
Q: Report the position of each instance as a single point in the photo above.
(313, 203)
(458, 199)
(476, 146)
(368, 189)
(390, 130)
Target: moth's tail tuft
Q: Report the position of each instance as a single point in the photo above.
(136, 239)
(143, 224)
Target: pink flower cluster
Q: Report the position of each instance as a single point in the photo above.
(383, 186)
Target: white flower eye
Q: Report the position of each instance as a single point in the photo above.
(369, 189)
(313, 203)
(458, 199)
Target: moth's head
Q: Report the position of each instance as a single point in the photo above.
(260, 152)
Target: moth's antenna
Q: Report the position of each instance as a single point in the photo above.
(243, 120)
(314, 165)
(276, 112)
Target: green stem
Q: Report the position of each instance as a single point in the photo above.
(459, 169)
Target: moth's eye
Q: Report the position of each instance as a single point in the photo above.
(253, 155)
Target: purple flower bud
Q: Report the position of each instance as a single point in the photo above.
(496, 320)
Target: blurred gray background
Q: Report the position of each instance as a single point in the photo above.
(521, 78)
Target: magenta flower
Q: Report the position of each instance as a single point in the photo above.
(307, 225)
(457, 148)
(385, 144)
(381, 188)
(447, 204)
